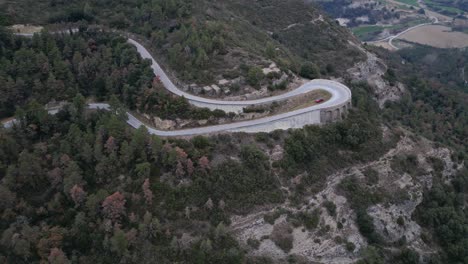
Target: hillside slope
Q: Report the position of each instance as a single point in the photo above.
(205, 39)
(84, 187)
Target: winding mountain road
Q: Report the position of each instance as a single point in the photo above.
(338, 91)
(340, 95)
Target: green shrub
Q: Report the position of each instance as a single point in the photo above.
(308, 219)
(310, 71)
(331, 207)
(372, 176)
(400, 221)
(350, 246)
(282, 236)
(253, 243)
(255, 76)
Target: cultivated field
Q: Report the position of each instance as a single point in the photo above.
(437, 36)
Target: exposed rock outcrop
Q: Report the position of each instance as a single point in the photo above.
(372, 71)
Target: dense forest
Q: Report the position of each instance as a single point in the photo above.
(81, 186)
(48, 67)
(100, 66)
(78, 184)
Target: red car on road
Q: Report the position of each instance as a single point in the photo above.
(318, 101)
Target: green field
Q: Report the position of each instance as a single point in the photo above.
(367, 33)
(409, 2)
(364, 32)
(404, 7)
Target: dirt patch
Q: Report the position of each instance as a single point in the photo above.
(398, 43)
(26, 29)
(437, 36)
(384, 44)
